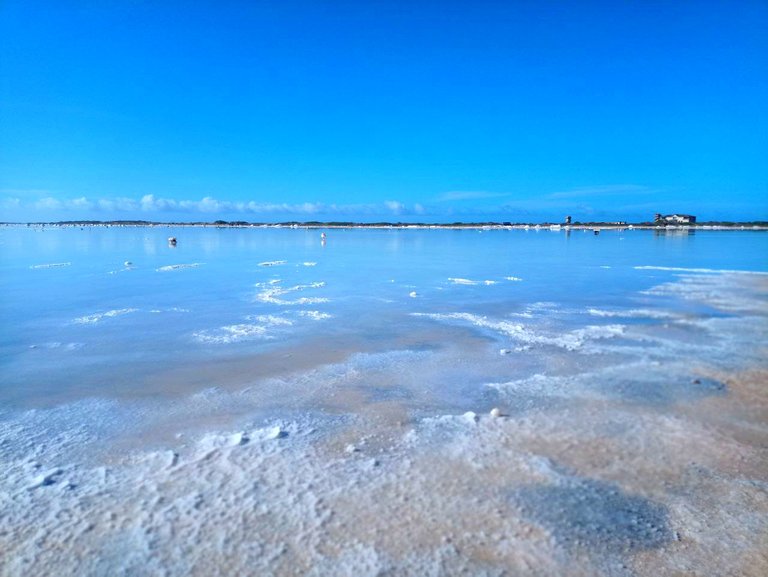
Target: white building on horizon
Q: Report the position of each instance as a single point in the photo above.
(674, 219)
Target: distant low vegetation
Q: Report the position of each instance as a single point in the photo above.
(350, 224)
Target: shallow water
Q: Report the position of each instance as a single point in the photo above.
(254, 400)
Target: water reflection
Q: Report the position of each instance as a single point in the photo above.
(673, 232)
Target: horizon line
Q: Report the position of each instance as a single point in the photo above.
(400, 224)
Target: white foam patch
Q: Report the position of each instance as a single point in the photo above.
(309, 301)
(633, 313)
(574, 385)
(315, 315)
(51, 265)
(309, 263)
(270, 283)
(595, 332)
(260, 327)
(469, 282)
(537, 384)
(232, 334)
(274, 294)
(98, 317)
(544, 305)
(542, 308)
(572, 340)
(729, 292)
(273, 263)
(513, 278)
(728, 340)
(523, 315)
(170, 310)
(700, 270)
(270, 320)
(173, 267)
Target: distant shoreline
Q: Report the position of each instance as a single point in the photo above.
(711, 225)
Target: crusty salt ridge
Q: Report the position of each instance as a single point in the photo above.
(592, 490)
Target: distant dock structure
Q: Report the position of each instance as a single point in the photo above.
(660, 219)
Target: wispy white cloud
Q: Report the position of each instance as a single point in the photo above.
(49, 203)
(151, 204)
(10, 203)
(395, 206)
(82, 203)
(208, 204)
(117, 204)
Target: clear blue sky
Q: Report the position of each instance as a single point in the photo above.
(373, 110)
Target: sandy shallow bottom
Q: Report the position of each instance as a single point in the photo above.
(647, 457)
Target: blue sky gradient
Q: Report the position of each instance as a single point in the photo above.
(400, 111)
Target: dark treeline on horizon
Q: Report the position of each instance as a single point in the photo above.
(351, 224)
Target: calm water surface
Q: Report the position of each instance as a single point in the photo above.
(78, 321)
